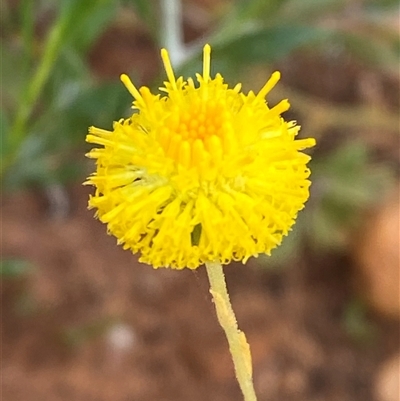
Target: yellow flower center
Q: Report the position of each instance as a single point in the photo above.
(201, 132)
(199, 127)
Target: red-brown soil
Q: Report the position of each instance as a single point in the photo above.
(62, 321)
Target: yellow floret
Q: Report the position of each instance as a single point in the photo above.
(204, 173)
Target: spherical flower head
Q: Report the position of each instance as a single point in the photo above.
(203, 173)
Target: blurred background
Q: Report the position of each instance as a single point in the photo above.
(83, 320)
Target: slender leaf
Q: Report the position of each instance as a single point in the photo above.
(90, 20)
(268, 44)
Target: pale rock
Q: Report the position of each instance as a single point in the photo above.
(377, 257)
(387, 386)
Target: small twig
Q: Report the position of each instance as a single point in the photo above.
(171, 11)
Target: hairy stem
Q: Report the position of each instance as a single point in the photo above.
(238, 345)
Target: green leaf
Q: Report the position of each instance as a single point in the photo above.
(33, 164)
(267, 44)
(71, 74)
(91, 18)
(99, 105)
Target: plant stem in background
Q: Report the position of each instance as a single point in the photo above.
(28, 100)
(238, 345)
(172, 35)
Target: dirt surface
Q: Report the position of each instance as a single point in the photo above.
(90, 323)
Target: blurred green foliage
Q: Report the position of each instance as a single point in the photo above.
(344, 184)
(14, 268)
(257, 31)
(50, 96)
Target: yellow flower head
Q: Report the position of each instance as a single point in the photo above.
(203, 173)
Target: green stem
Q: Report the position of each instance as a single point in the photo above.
(238, 345)
(53, 46)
